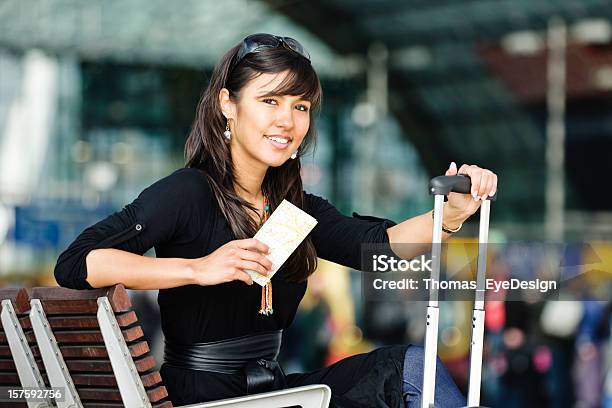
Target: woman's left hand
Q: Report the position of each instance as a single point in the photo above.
(484, 184)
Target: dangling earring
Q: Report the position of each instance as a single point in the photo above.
(294, 155)
(227, 133)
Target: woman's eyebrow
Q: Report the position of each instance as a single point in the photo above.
(267, 93)
(273, 93)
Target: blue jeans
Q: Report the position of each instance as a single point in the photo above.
(447, 394)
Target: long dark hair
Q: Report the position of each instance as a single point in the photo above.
(206, 149)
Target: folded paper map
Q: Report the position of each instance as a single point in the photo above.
(282, 232)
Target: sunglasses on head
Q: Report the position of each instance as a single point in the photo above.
(257, 42)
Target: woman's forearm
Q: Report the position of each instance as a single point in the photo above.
(414, 236)
(108, 267)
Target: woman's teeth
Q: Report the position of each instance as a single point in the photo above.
(278, 140)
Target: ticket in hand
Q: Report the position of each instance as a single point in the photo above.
(282, 233)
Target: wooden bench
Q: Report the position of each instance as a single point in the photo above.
(91, 345)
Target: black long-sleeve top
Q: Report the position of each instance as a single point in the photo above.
(179, 217)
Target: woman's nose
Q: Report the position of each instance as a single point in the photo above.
(285, 117)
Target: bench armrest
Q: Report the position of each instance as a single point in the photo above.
(308, 396)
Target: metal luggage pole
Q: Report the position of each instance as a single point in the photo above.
(440, 187)
(478, 313)
(431, 328)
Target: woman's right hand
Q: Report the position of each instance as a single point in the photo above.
(229, 262)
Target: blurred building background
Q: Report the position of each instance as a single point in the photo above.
(97, 97)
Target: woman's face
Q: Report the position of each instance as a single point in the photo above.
(266, 128)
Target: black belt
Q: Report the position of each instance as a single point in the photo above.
(253, 354)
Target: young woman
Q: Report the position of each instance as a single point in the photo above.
(222, 332)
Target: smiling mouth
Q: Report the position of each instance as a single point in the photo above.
(277, 139)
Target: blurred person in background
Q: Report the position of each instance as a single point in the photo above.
(588, 367)
(253, 122)
(522, 384)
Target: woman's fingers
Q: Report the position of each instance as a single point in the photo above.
(484, 182)
(244, 254)
(490, 185)
(255, 257)
(467, 170)
(239, 274)
(452, 170)
(494, 189)
(251, 266)
(464, 168)
(476, 178)
(253, 245)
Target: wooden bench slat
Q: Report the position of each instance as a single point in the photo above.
(7, 365)
(124, 319)
(143, 365)
(85, 351)
(94, 351)
(78, 336)
(133, 333)
(18, 298)
(25, 322)
(105, 394)
(139, 349)
(29, 336)
(13, 404)
(89, 366)
(9, 378)
(54, 306)
(151, 379)
(40, 364)
(108, 380)
(86, 299)
(97, 380)
(9, 293)
(85, 336)
(157, 394)
(73, 322)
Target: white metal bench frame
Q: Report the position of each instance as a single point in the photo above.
(27, 370)
(56, 368)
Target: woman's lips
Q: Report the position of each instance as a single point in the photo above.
(278, 142)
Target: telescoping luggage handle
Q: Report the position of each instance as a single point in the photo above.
(461, 183)
(440, 187)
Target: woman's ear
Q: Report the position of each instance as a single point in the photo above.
(227, 106)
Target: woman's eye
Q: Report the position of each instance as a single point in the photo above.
(303, 108)
(270, 101)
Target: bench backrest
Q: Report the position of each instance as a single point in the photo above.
(90, 344)
(72, 318)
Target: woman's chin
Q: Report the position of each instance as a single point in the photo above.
(275, 160)
(277, 163)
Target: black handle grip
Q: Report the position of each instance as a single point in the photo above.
(460, 183)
